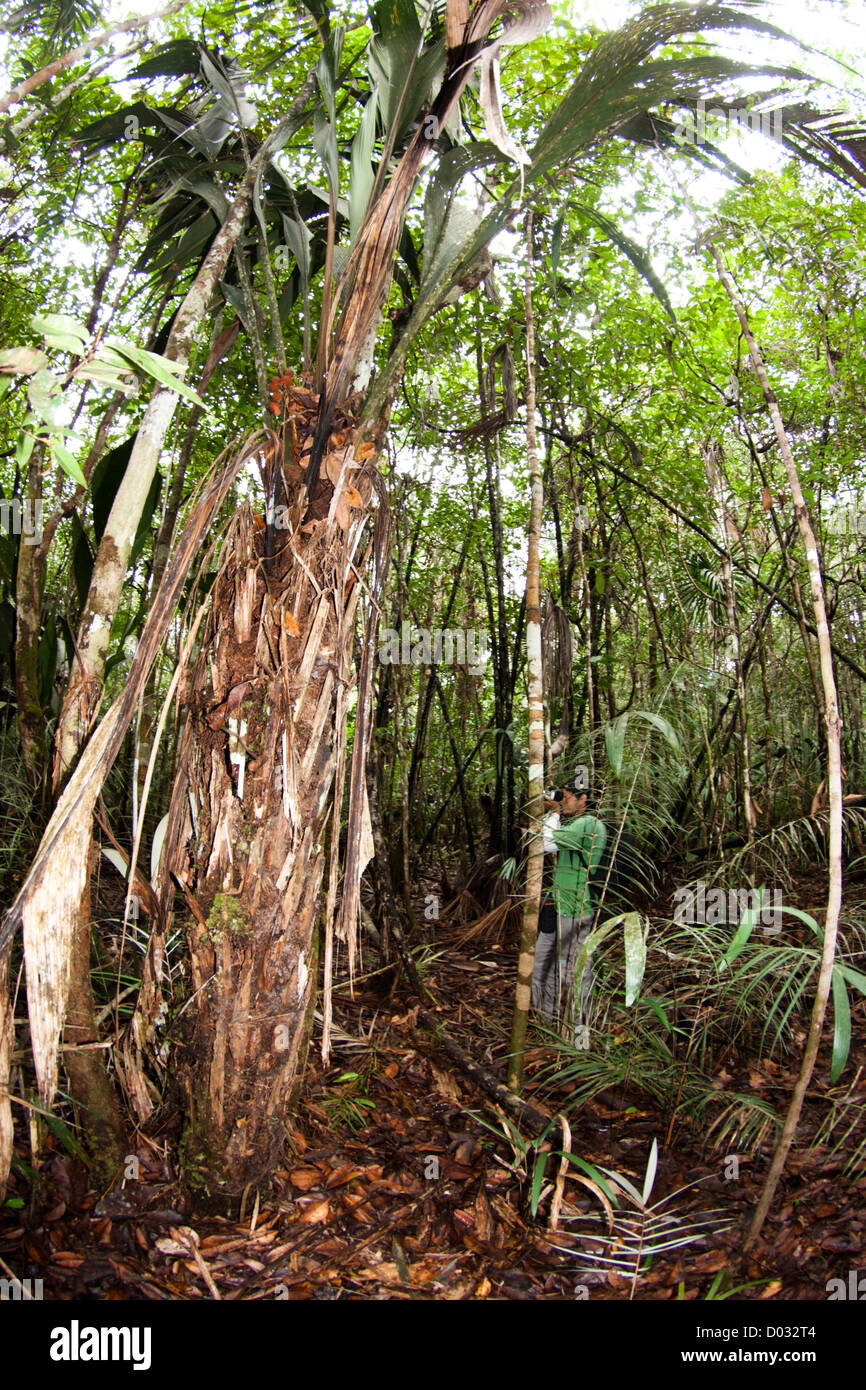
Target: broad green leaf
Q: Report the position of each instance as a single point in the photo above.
(116, 858)
(841, 1026)
(406, 74)
(82, 560)
(555, 253)
(209, 193)
(327, 69)
(24, 448)
(105, 375)
(156, 847)
(596, 1176)
(537, 1180)
(666, 730)
(397, 37)
(741, 937)
(68, 462)
(361, 176)
(652, 1165)
(176, 58)
(218, 80)
(854, 977)
(163, 371)
(234, 296)
(614, 743)
(298, 236)
(63, 342)
(803, 917)
(43, 394)
(635, 939)
(325, 142)
(60, 330)
(22, 361)
(594, 940)
(188, 248)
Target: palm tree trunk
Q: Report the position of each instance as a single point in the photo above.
(246, 830)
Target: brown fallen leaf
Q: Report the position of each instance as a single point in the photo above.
(316, 1214)
(345, 1173)
(446, 1085)
(484, 1223)
(712, 1261)
(305, 1178)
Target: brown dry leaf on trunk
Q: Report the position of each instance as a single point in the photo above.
(217, 718)
(336, 461)
(341, 514)
(352, 497)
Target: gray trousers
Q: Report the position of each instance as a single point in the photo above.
(553, 971)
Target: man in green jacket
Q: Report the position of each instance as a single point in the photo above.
(579, 845)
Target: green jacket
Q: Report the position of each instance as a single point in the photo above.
(580, 843)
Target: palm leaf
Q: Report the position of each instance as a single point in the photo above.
(621, 81)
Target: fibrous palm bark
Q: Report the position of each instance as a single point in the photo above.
(250, 806)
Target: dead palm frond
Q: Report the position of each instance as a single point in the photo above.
(47, 905)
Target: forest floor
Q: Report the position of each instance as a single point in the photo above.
(398, 1186)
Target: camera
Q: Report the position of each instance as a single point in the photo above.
(554, 794)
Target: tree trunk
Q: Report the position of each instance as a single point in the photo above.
(834, 763)
(250, 803)
(535, 694)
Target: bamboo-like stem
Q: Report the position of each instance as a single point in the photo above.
(535, 695)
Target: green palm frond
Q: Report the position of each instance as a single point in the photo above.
(798, 841)
(625, 77)
(835, 142)
(60, 22)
